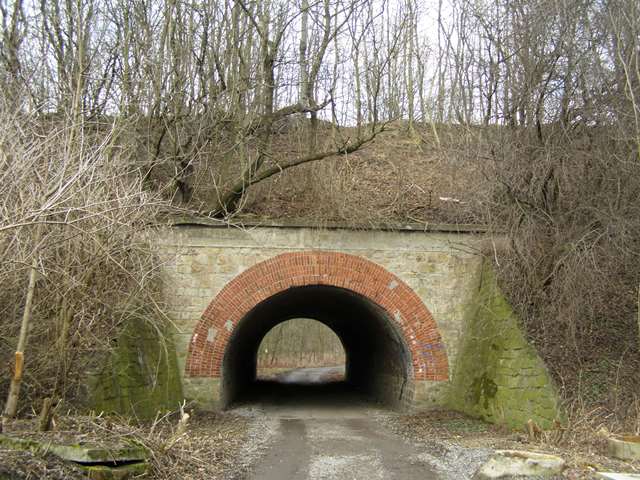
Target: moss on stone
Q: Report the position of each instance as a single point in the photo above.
(121, 472)
(125, 451)
(141, 375)
(498, 376)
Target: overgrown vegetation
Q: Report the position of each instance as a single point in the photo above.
(75, 266)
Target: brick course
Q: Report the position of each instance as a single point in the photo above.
(296, 269)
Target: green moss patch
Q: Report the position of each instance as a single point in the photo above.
(127, 452)
(122, 472)
(498, 376)
(141, 375)
(99, 462)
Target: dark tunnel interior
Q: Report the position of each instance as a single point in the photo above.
(378, 362)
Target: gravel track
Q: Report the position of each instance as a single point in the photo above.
(340, 438)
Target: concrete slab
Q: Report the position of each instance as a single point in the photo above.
(625, 447)
(519, 463)
(618, 476)
(86, 454)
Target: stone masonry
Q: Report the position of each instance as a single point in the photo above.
(440, 268)
(215, 274)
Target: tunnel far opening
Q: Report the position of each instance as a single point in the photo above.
(378, 364)
(301, 350)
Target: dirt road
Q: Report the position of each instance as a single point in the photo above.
(311, 376)
(321, 432)
(340, 448)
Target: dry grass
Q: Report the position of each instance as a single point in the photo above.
(399, 177)
(583, 447)
(567, 205)
(208, 449)
(18, 465)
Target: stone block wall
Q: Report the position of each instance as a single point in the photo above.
(440, 267)
(499, 377)
(140, 377)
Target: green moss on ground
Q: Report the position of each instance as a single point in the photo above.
(102, 472)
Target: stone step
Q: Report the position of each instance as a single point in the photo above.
(90, 453)
(100, 462)
(618, 476)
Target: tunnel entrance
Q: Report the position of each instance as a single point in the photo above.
(378, 363)
(392, 344)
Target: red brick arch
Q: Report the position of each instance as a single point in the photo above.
(267, 278)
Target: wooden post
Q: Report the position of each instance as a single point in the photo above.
(44, 421)
(11, 407)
